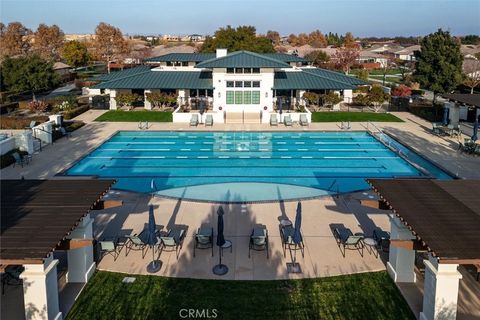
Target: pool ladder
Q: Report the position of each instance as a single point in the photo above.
(345, 125)
(143, 125)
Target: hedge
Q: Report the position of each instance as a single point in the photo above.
(67, 115)
(13, 122)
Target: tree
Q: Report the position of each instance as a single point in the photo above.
(292, 40)
(318, 57)
(439, 63)
(363, 74)
(349, 41)
(274, 36)
(471, 68)
(75, 54)
(346, 57)
(240, 38)
(402, 91)
(302, 39)
(109, 43)
(14, 39)
(30, 73)
(471, 39)
(317, 40)
(127, 99)
(376, 97)
(48, 41)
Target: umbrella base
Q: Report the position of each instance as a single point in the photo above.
(220, 269)
(154, 266)
(294, 267)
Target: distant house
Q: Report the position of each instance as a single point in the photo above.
(196, 38)
(469, 51)
(387, 49)
(63, 70)
(372, 60)
(408, 53)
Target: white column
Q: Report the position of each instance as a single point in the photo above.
(147, 104)
(347, 96)
(24, 141)
(401, 262)
(113, 103)
(440, 295)
(80, 261)
(40, 291)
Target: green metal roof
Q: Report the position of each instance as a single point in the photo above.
(182, 57)
(285, 57)
(301, 80)
(243, 59)
(114, 75)
(337, 76)
(162, 80)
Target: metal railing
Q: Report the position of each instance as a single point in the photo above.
(143, 125)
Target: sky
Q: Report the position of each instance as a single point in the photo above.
(361, 17)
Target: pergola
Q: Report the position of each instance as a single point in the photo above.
(38, 217)
(442, 217)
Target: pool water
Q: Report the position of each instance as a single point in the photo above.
(249, 166)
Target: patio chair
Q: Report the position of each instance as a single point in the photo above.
(273, 119)
(303, 120)
(382, 238)
(258, 240)
(112, 247)
(203, 239)
(173, 240)
(136, 243)
(347, 240)
(194, 120)
(436, 129)
(208, 120)
(32, 124)
(21, 160)
(11, 277)
(286, 235)
(287, 121)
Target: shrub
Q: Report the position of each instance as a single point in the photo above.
(127, 99)
(75, 112)
(19, 122)
(8, 107)
(74, 125)
(310, 97)
(402, 91)
(330, 99)
(37, 106)
(8, 159)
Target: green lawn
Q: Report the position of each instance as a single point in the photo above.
(360, 296)
(389, 71)
(135, 116)
(335, 116)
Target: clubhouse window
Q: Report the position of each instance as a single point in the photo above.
(256, 70)
(256, 84)
(229, 84)
(230, 70)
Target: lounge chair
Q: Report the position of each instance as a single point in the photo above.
(203, 239)
(173, 240)
(273, 119)
(21, 160)
(347, 240)
(208, 120)
(287, 121)
(382, 238)
(194, 120)
(136, 243)
(112, 247)
(286, 235)
(303, 120)
(258, 240)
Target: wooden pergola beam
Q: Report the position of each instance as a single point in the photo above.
(459, 261)
(69, 244)
(17, 262)
(107, 204)
(376, 204)
(408, 244)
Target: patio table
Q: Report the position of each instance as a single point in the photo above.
(371, 246)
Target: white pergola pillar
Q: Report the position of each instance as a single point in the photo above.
(80, 261)
(147, 105)
(113, 102)
(440, 295)
(401, 262)
(40, 291)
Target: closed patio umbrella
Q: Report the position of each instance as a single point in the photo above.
(220, 269)
(280, 107)
(154, 266)
(297, 237)
(446, 111)
(475, 131)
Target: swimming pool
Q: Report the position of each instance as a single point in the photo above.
(250, 166)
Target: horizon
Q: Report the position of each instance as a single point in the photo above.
(418, 17)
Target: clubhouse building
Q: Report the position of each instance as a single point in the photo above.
(223, 82)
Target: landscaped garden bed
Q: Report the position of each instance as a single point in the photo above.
(135, 116)
(358, 296)
(353, 117)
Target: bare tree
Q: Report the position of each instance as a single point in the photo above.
(14, 39)
(471, 68)
(346, 57)
(48, 41)
(109, 43)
